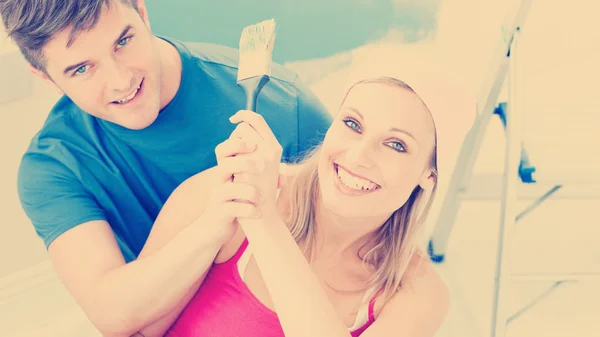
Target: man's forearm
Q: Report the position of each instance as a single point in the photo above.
(159, 328)
(144, 291)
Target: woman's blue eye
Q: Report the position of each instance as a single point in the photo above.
(396, 146)
(352, 124)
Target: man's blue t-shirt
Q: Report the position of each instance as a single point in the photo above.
(80, 168)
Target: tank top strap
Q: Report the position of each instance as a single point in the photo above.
(238, 254)
(372, 305)
(372, 310)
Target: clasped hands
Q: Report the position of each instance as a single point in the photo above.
(248, 167)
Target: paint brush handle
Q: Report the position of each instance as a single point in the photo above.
(252, 87)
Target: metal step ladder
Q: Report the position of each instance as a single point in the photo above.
(520, 175)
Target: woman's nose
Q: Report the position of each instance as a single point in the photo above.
(360, 154)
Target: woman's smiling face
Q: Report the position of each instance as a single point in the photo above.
(377, 150)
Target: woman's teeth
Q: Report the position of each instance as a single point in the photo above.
(130, 97)
(353, 182)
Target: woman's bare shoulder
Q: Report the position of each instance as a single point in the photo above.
(422, 304)
(424, 277)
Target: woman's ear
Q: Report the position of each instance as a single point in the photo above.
(428, 180)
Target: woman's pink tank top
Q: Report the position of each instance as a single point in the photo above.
(225, 307)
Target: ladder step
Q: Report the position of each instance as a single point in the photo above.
(595, 277)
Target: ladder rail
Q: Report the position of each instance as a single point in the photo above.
(463, 168)
(508, 209)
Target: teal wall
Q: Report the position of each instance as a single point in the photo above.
(307, 28)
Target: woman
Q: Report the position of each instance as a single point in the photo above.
(334, 252)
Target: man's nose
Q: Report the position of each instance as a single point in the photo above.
(119, 78)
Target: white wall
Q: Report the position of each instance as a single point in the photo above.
(15, 80)
(24, 103)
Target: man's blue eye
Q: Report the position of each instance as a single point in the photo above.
(123, 41)
(81, 70)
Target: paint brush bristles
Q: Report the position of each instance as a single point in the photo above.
(256, 58)
(256, 50)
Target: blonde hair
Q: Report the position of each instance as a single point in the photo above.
(395, 242)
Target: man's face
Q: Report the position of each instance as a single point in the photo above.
(111, 71)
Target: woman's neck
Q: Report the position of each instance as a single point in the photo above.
(337, 236)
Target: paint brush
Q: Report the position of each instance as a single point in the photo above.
(256, 57)
(254, 72)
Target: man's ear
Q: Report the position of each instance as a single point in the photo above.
(143, 12)
(40, 74)
(428, 180)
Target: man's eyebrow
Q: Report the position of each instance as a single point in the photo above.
(73, 67)
(76, 66)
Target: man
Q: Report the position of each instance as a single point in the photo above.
(140, 114)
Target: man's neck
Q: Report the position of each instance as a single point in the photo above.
(171, 69)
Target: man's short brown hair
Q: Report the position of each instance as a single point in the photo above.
(32, 23)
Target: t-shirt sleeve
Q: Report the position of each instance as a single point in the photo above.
(53, 198)
(313, 119)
